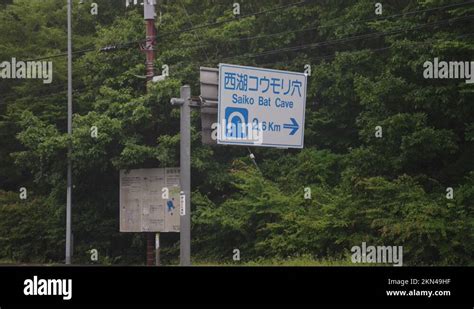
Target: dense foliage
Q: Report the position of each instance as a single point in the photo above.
(367, 71)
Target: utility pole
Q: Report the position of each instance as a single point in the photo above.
(69, 132)
(152, 240)
(185, 103)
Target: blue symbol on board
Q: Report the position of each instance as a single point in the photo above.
(170, 205)
(236, 122)
(292, 126)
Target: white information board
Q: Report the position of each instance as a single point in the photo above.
(149, 200)
(261, 107)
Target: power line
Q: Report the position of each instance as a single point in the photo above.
(116, 46)
(324, 57)
(336, 41)
(335, 25)
(287, 49)
(404, 14)
(62, 54)
(190, 22)
(343, 40)
(287, 32)
(330, 56)
(234, 19)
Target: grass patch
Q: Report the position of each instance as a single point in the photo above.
(296, 261)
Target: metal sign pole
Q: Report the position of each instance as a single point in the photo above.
(69, 131)
(185, 174)
(185, 168)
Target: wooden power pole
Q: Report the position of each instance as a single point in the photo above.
(149, 49)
